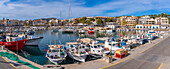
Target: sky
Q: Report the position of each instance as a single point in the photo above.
(34, 9)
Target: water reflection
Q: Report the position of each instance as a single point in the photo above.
(37, 54)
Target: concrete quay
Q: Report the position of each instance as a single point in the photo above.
(148, 56)
(15, 64)
(134, 53)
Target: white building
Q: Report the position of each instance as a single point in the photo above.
(143, 20)
(162, 20)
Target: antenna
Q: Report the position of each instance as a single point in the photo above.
(60, 14)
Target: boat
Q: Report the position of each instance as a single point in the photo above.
(98, 49)
(54, 30)
(91, 31)
(111, 45)
(56, 54)
(102, 31)
(81, 31)
(77, 51)
(32, 40)
(68, 30)
(13, 42)
(108, 30)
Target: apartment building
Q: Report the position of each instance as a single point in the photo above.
(162, 21)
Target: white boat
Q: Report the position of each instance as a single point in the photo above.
(32, 40)
(98, 49)
(56, 54)
(77, 51)
(102, 31)
(81, 31)
(111, 45)
(109, 30)
(54, 30)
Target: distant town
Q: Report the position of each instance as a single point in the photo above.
(131, 21)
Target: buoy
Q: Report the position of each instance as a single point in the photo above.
(45, 50)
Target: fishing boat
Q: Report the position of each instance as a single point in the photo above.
(54, 30)
(102, 31)
(109, 30)
(81, 31)
(111, 45)
(98, 49)
(13, 42)
(56, 54)
(91, 31)
(77, 51)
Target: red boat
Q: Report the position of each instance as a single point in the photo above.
(90, 31)
(15, 44)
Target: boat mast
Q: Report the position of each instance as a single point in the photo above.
(69, 12)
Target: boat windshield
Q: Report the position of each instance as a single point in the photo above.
(95, 46)
(98, 45)
(55, 50)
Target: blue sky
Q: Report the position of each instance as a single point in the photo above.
(33, 9)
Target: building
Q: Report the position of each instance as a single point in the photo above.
(54, 21)
(162, 21)
(131, 21)
(143, 20)
(150, 21)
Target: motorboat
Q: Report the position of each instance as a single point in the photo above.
(56, 54)
(13, 42)
(91, 31)
(77, 51)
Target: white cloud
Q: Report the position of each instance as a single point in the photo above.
(52, 9)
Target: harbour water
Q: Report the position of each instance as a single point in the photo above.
(37, 53)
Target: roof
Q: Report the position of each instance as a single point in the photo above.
(71, 43)
(147, 25)
(161, 29)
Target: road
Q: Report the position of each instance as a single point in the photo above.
(152, 58)
(4, 64)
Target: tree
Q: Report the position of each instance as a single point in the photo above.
(169, 20)
(162, 14)
(134, 24)
(108, 20)
(84, 18)
(92, 19)
(124, 23)
(151, 16)
(88, 22)
(25, 24)
(155, 15)
(77, 21)
(16, 23)
(99, 21)
(84, 21)
(51, 23)
(139, 16)
(80, 20)
(159, 15)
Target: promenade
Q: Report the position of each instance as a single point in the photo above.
(157, 56)
(5, 64)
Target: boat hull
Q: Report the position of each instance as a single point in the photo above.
(15, 45)
(34, 42)
(90, 32)
(78, 58)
